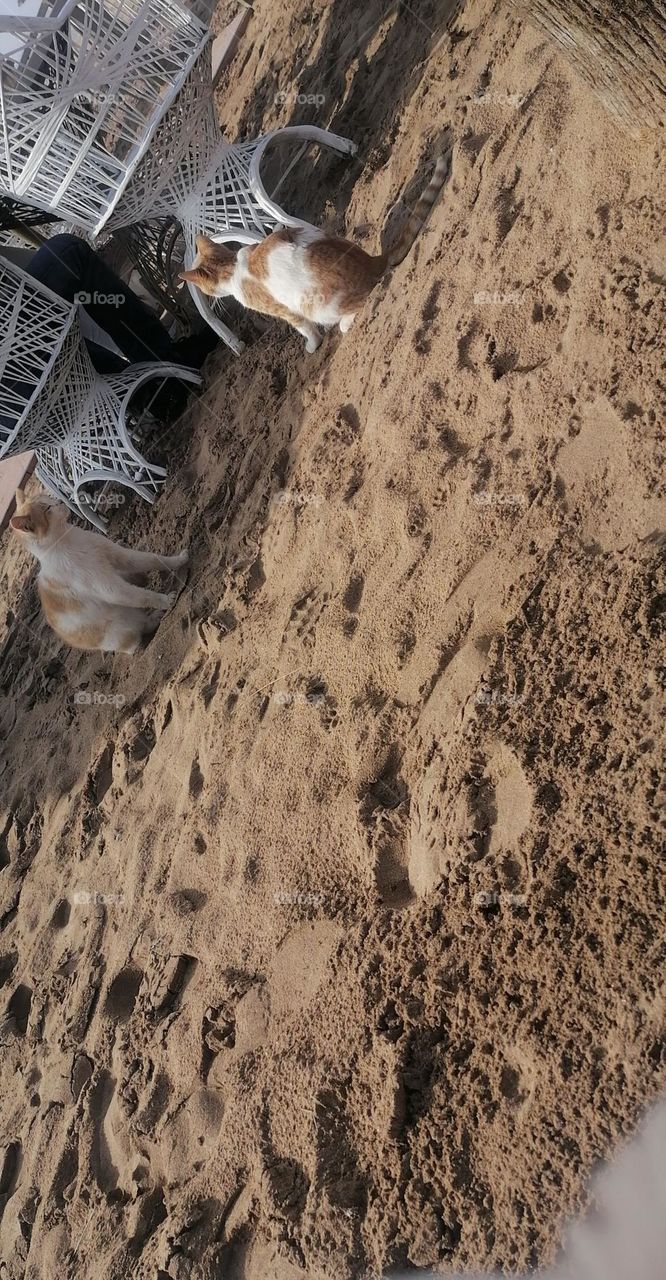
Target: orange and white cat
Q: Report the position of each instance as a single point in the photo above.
(304, 276)
(83, 580)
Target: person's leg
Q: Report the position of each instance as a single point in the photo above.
(162, 397)
(68, 266)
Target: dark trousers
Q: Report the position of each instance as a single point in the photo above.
(69, 267)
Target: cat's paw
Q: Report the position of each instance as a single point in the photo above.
(312, 344)
(168, 600)
(346, 323)
(179, 561)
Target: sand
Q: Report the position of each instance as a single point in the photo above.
(330, 924)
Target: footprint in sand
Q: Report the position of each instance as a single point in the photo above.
(139, 747)
(284, 1187)
(79, 999)
(196, 781)
(98, 784)
(137, 743)
(144, 1218)
(255, 580)
(495, 811)
(82, 1070)
(351, 600)
(5, 856)
(519, 1077)
(426, 843)
(513, 801)
(218, 1031)
(10, 1169)
(499, 804)
(304, 618)
(17, 1014)
(63, 1184)
(212, 629)
(296, 973)
(596, 469)
(338, 1169)
(61, 914)
(105, 1171)
(152, 1103)
(167, 983)
(8, 963)
(122, 994)
(106, 1148)
(100, 777)
(354, 592)
(384, 814)
(317, 695)
(209, 689)
(191, 1134)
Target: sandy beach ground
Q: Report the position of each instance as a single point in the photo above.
(330, 924)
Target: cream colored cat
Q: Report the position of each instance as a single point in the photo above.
(83, 580)
(302, 275)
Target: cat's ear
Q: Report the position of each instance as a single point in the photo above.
(21, 524)
(195, 275)
(202, 277)
(19, 497)
(205, 246)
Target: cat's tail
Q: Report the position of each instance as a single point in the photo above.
(419, 213)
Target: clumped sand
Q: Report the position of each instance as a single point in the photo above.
(330, 924)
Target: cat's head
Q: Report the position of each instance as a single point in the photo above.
(213, 267)
(39, 520)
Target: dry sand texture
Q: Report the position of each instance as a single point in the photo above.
(330, 926)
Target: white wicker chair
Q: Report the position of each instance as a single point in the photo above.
(109, 119)
(202, 9)
(54, 402)
(82, 93)
(217, 187)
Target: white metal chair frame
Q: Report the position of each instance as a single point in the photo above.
(55, 403)
(216, 188)
(81, 95)
(109, 119)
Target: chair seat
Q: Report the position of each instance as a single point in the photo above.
(57, 405)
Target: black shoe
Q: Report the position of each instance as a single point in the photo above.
(162, 398)
(192, 351)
